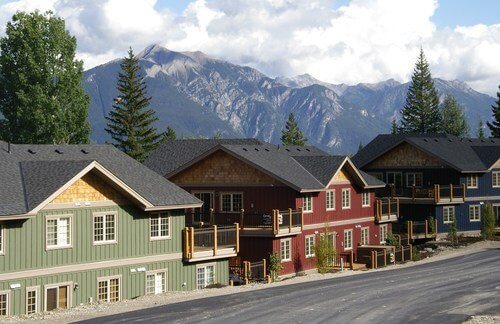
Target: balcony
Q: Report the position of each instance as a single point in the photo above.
(414, 230)
(387, 210)
(210, 242)
(437, 193)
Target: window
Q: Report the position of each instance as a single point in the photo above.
(348, 239)
(307, 204)
(475, 213)
(365, 236)
(346, 198)
(57, 297)
(330, 200)
(108, 289)
(2, 239)
(414, 179)
(285, 250)
(31, 300)
(205, 276)
(104, 228)
(4, 303)
(58, 229)
(383, 233)
(365, 199)
(231, 202)
(472, 181)
(377, 175)
(309, 246)
(448, 214)
(495, 176)
(156, 283)
(159, 226)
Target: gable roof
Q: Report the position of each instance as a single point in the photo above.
(462, 154)
(30, 174)
(304, 168)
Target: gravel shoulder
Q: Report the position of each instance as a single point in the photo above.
(88, 311)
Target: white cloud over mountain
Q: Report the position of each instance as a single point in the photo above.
(364, 41)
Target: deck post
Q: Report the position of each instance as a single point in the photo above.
(408, 229)
(191, 232)
(275, 222)
(385, 258)
(463, 191)
(185, 242)
(237, 228)
(264, 265)
(242, 218)
(451, 192)
(290, 220)
(373, 259)
(352, 260)
(215, 239)
(397, 204)
(389, 207)
(301, 219)
(436, 193)
(426, 227)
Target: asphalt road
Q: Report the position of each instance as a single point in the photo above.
(446, 291)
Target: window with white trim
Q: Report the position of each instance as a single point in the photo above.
(58, 231)
(108, 289)
(495, 178)
(348, 239)
(346, 198)
(414, 179)
(330, 200)
(383, 233)
(4, 303)
(285, 250)
(31, 300)
(159, 226)
(475, 213)
(365, 235)
(2, 239)
(156, 283)
(307, 203)
(365, 199)
(231, 202)
(205, 276)
(448, 214)
(310, 239)
(472, 181)
(105, 228)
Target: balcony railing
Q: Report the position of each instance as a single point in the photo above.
(413, 230)
(387, 210)
(210, 242)
(437, 193)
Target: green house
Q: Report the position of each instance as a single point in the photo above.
(86, 223)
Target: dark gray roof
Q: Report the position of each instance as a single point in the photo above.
(371, 180)
(321, 167)
(32, 173)
(462, 154)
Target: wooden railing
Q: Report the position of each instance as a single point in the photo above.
(416, 229)
(210, 241)
(387, 209)
(437, 193)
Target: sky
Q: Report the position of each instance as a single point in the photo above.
(336, 41)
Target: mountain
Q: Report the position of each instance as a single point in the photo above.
(199, 95)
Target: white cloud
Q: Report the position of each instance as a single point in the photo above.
(364, 41)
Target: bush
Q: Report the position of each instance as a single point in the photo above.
(274, 265)
(452, 232)
(325, 253)
(392, 239)
(487, 222)
(432, 225)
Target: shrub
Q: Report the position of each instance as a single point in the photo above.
(325, 253)
(452, 232)
(274, 265)
(432, 225)
(392, 239)
(487, 222)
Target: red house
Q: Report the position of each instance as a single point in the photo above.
(282, 197)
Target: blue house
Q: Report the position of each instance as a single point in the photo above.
(438, 178)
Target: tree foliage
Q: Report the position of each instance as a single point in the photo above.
(394, 127)
(480, 131)
(41, 95)
(292, 135)
(130, 122)
(494, 126)
(274, 265)
(487, 221)
(453, 118)
(169, 134)
(421, 111)
(324, 252)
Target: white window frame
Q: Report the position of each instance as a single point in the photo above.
(383, 233)
(205, 266)
(348, 191)
(104, 241)
(221, 194)
(475, 208)
(350, 232)
(35, 289)
(307, 207)
(7, 306)
(331, 199)
(309, 244)
(287, 243)
(495, 174)
(365, 198)
(160, 216)
(70, 233)
(69, 284)
(154, 273)
(448, 220)
(411, 182)
(367, 230)
(2, 239)
(108, 292)
(473, 178)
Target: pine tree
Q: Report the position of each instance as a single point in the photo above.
(292, 135)
(169, 134)
(130, 121)
(480, 132)
(453, 118)
(42, 100)
(421, 111)
(394, 127)
(495, 125)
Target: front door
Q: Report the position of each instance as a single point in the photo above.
(57, 297)
(395, 179)
(159, 279)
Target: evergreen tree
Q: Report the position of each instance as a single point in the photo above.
(495, 125)
(453, 118)
(292, 135)
(480, 132)
(130, 121)
(169, 134)
(42, 100)
(394, 127)
(487, 221)
(421, 111)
